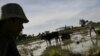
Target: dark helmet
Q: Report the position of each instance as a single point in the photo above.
(13, 10)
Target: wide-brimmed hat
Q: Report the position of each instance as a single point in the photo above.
(12, 10)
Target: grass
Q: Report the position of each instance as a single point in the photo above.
(26, 41)
(52, 51)
(84, 33)
(67, 42)
(93, 51)
(58, 51)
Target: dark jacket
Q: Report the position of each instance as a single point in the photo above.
(8, 46)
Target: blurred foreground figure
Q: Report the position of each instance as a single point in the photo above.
(11, 24)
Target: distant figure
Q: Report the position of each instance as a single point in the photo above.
(11, 24)
(91, 27)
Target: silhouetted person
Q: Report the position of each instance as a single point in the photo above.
(11, 24)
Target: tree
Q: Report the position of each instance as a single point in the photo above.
(83, 22)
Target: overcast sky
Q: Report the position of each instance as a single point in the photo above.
(51, 14)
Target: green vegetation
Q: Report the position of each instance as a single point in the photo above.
(84, 33)
(58, 51)
(98, 31)
(24, 39)
(67, 42)
(93, 51)
(53, 51)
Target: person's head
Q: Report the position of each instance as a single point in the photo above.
(13, 17)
